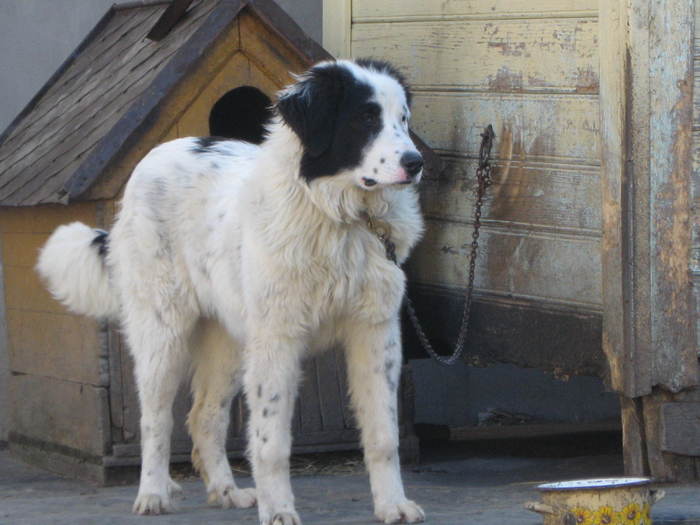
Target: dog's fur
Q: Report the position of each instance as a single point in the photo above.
(271, 241)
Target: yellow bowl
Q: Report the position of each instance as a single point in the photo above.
(607, 501)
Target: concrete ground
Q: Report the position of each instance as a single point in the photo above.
(484, 490)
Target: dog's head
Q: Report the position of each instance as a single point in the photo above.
(352, 120)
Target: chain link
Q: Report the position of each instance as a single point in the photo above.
(483, 178)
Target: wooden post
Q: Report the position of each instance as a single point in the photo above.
(646, 99)
(337, 27)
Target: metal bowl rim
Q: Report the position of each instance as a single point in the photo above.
(594, 484)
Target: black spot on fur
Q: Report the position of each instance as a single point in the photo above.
(264, 439)
(264, 413)
(334, 116)
(382, 160)
(259, 390)
(385, 67)
(205, 144)
(100, 241)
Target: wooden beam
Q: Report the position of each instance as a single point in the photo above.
(530, 430)
(337, 27)
(671, 77)
(614, 98)
(649, 338)
(646, 124)
(633, 439)
(171, 16)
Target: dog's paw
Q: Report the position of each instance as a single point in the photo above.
(152, 504)
(232, 497)
(283, 518)
(405, 512)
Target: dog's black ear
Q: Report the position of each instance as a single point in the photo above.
(310, 108)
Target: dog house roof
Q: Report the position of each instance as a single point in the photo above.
(107, 93)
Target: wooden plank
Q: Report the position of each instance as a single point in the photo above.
(680, 430)
(43, 219)
(614, 79)
(268, 50)
(66, 461)
(557, 128)
(530, 430)
(330, 397)
(528, 265)
(24, 291)
(520, 55)
(22, 249)
(309, 404)
(696, 86)
(60, 412)
(364, 9)
(633, 446)
(116, 384)
(646, 137)
(341, 371)
(675, 363)
(55, 345)
(524, 333)
(131, 428)
(195, 120)
(337, 27)
(523, 196)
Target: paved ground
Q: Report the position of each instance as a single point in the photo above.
(472, 490)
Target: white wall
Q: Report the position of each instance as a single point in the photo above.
(36, 36)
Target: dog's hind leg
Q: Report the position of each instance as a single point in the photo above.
(217, 379)
(160, 361)
(374, 363)
(272, 370)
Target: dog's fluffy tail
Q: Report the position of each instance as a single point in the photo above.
(73, 265)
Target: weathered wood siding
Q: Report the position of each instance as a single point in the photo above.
(695, 255)
(531, 69)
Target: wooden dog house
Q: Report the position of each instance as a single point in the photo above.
(149, 71)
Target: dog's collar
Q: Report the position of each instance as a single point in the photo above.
(382, 229)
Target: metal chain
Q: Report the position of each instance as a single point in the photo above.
(483, 177)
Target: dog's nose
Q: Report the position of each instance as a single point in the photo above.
(412, 162)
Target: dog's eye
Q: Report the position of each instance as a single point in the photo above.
(403, 119)
(370, 117)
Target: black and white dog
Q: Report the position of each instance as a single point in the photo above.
(270, 242)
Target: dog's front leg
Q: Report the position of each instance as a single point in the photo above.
(374, 364)
(271, 380)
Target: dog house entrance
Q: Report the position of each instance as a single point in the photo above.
(241, 114)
